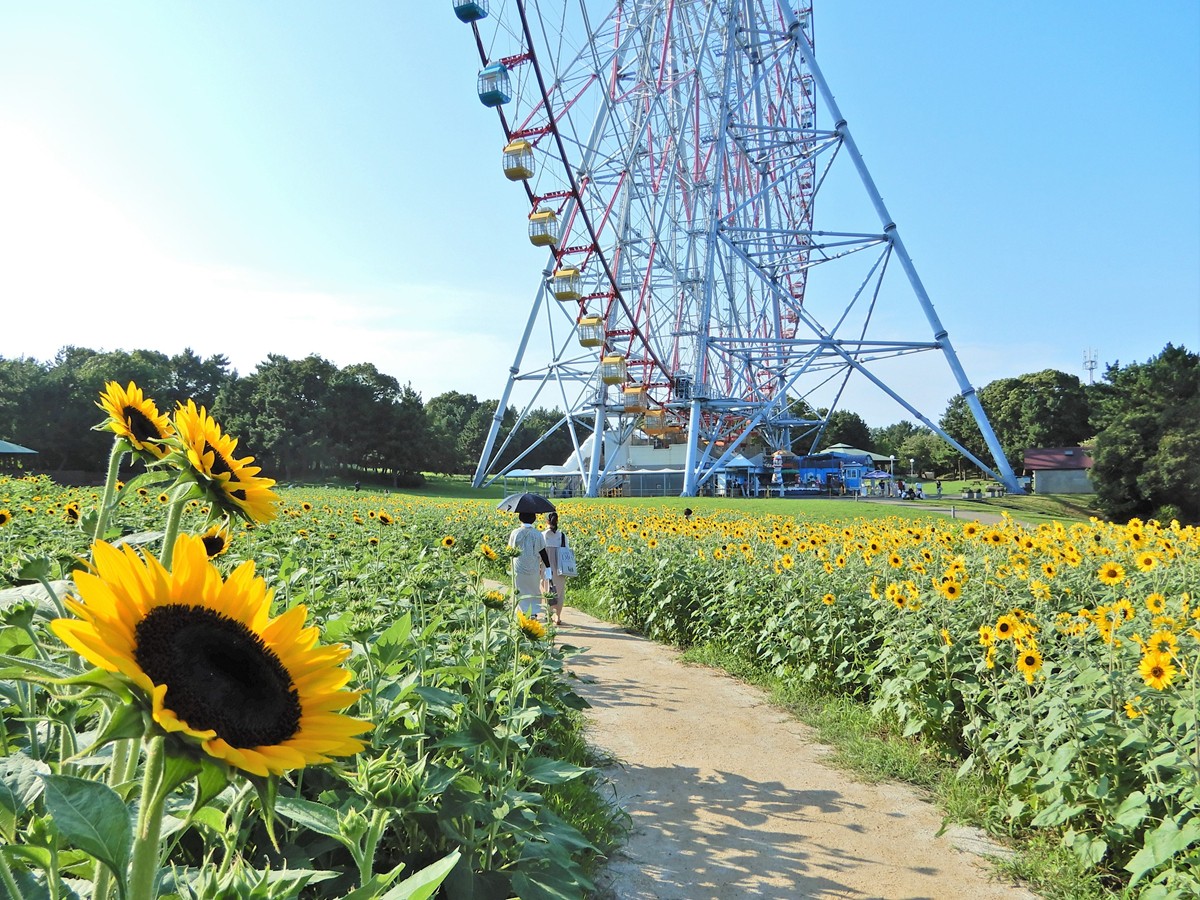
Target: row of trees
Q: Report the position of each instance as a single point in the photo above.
(308, 418)
(299, 418)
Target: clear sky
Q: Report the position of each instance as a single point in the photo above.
(310, 177)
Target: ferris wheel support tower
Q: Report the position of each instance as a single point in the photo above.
(940, 334)
(672, 154)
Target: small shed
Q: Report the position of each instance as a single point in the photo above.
(1059, 470)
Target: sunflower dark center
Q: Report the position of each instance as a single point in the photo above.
(219, 675)
(213, 544)
(140, 425)
(220, 465)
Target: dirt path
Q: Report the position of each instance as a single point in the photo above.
(729, 797)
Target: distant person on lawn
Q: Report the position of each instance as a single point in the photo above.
(527, 566)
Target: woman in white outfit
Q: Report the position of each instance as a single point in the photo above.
(553, 581)
(527, 567)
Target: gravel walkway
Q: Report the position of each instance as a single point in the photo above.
(730, 798)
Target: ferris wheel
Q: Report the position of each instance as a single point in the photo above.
(693, 292)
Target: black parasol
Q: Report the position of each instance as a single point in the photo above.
(526, 503)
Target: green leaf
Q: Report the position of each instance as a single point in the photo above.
(178, 769)
(423, 884)
(19, 668)
(543, 770)
(126, 722)
(1132, 811)
(313, 816)
(211, 781)
(19, 788)
(1160, 845)
(34, 568)
(91, 816)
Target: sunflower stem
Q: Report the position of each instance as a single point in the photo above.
(102, 877)
(107, 500)
(149, 825)
(170, 532)
(10, 883)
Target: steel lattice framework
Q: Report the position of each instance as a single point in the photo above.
(681, 147)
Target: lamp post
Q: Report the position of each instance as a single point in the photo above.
(891, 472)
(912, 467)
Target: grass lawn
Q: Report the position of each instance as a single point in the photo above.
(1031, 509)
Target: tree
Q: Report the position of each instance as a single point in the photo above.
(1147, 421)
(452, 432)
(845, 427)
(889, 439)
(1040, 409)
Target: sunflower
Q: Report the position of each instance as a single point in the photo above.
(829, 600)
(530, 627)
(1006, 627)
(1162, 641)
(1156, 603)
(233, 484)
(951, 590)
(1157, 670)
(134, 417)
(210, 664)
(1111, 573)
(987, 635)
(1028, 663)
(71, 510)
(216, 539)
(449, 541)
(384, 518)
(1132, 707)
(495, 599)
(787, 561)
(373, 541)
(306, 506)
(971, 529)
(5, 517)
(652, 543)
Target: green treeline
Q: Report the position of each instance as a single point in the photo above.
(306, 418)
(299, 418)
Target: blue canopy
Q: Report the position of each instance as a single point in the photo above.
(7, 449)
(877, 473)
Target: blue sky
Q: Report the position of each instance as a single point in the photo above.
(318, 178)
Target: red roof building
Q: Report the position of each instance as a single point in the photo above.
(1059, 470)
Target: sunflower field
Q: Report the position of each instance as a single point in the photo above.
(211, 688)
(1061, 659)
(352, 708)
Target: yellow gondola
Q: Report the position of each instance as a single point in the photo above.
(567, 284)
(518, 160)
(543, 228)
(591, 331)
(613, 370)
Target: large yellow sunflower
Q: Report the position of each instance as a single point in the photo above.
(133, 416)
(232, 483)
(211, 665)
(1157, 670)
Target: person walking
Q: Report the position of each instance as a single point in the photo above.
(554, 582)
(527, 564)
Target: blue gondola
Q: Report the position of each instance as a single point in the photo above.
(494, 87)
(471, 10)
